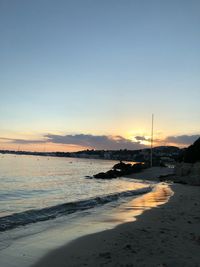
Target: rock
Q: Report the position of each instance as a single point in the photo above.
(122, 166)
(187, 173)
(119, 170)
(101, 175)
(192, 153)
(107, 175)
(138, 167)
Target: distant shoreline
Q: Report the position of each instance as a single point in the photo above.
(55, 155)
(166, 154)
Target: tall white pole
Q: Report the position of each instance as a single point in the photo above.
(152, 140)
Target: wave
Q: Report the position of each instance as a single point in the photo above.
(44, 214)
(21, 193)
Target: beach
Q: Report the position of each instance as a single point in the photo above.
(100, 133)
(44, 209)
(156, 228)
(166, 236)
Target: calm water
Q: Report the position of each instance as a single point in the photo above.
(30, 182)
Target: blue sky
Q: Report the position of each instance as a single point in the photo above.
(99, 67)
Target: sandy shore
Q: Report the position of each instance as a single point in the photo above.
(152, 173)
(165, 236)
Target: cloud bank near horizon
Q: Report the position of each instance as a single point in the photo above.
(95, 141)
(100, 142)
(85, 140)
(182, 139)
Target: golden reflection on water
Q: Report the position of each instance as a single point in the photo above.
(128, 212)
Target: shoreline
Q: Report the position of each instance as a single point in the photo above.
(166, 236)
(61, 155)
(24, 246)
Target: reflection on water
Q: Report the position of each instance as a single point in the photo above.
(30, 182)
(128, 211)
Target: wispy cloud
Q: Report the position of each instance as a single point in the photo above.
(22, 141)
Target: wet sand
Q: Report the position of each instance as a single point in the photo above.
(166, 236)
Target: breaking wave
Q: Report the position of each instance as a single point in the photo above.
(44, 214)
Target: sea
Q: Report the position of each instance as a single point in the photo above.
(47, 202)
(36, 188)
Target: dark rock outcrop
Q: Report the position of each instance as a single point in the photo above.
(120, 169)
(192, 153)
(187, 171)
(107, 175)
(122, 166)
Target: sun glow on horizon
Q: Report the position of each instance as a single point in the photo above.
(73, 142)
(46, 147)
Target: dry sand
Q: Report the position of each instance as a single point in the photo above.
(152, 173)
(166, 236)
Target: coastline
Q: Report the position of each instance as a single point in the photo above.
(25, 245)
(168, 235)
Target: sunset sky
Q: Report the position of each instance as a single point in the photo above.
(78, 74)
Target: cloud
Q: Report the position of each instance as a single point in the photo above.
(179, 140)
(182, 139)
(105, 142)
(23, 141)
(142, 138)
(95, 141)
(84, 140)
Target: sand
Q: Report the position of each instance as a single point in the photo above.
(166, 236)
(152, 173)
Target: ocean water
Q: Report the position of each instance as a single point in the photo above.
(40, 188)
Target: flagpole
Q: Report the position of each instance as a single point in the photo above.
(152, 121)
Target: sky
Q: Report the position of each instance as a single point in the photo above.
(78, 74)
